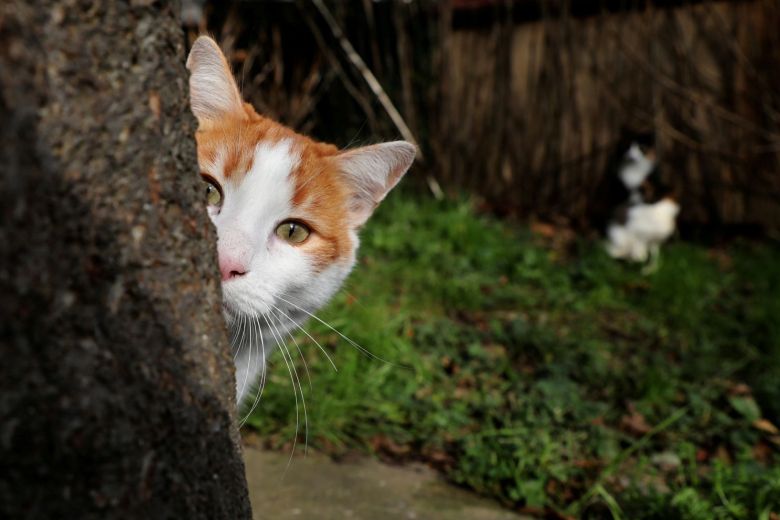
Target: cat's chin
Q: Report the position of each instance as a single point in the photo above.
(234, 314)
(282, 317)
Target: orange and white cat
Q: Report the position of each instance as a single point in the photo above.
(287, 210)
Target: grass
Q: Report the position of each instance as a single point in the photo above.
(557, 381)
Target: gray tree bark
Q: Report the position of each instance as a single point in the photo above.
(116, 384)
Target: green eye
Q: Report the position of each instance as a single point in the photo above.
(292, 232)
(213, 192)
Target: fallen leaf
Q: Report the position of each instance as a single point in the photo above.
(740, 389)
(543, 229)
(634, 422)
(387, 446)
(762, 452)
(765, 426)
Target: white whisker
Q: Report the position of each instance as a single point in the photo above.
(246, 372)
(348, 340)
(293, 378)
(262, 377)
(276, 322)
(239, 334)
(282, 344)
(309, 336)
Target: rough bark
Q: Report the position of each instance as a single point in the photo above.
(116, 386)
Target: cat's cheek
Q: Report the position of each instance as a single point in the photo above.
(330, 281)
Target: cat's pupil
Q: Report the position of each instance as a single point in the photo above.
(291, 231)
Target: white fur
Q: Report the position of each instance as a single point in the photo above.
(646, 228)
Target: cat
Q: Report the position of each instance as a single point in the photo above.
(646, 217)
(287, 210)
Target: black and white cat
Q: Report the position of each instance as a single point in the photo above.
(647, 216)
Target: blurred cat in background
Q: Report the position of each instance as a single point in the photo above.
(287, 210)
(647, 215)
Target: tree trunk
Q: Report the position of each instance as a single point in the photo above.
(116, 384)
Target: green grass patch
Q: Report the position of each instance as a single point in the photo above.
(550, 379)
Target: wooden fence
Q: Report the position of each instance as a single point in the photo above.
(524, 102)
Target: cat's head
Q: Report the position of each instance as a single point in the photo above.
(287, 209)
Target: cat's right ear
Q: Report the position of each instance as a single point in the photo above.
(371, 172)
(213, 91)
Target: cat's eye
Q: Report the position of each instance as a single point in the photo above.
(213, 191)
(292, 231)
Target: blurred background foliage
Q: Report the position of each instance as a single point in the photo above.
(519, 359)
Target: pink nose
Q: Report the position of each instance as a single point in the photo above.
(231, 267)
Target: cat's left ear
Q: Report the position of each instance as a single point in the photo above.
(371, 172)
(213, 91)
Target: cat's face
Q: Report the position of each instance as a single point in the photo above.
(286, 208)
(282, 217)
